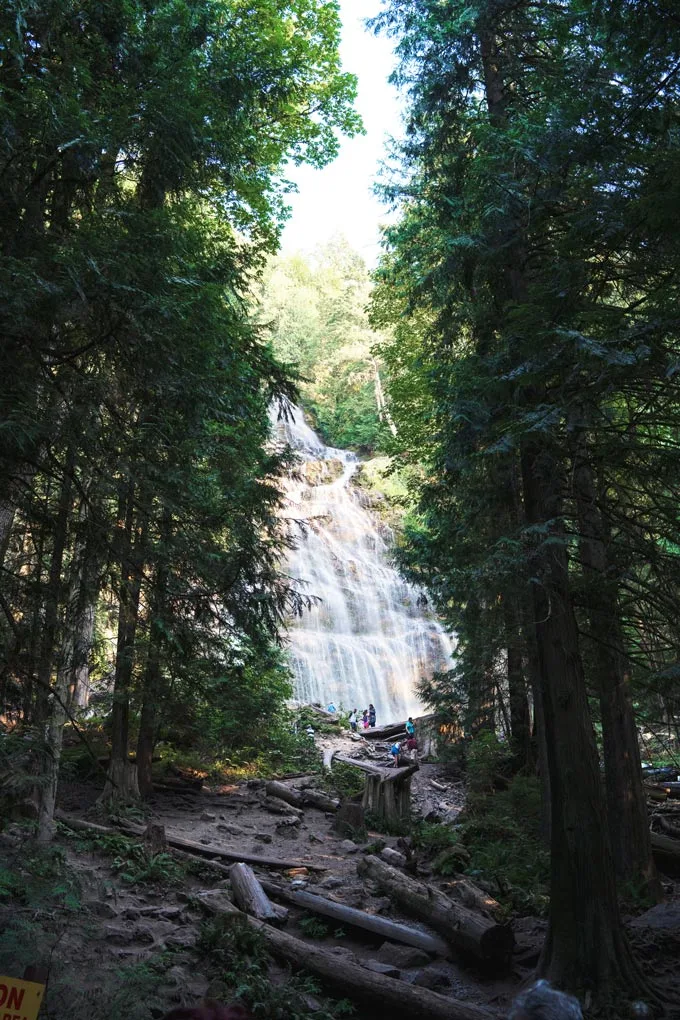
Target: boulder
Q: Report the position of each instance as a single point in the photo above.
(402, 956)
(381, 968)
(349, 847)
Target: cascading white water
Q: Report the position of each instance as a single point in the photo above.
(370, 637)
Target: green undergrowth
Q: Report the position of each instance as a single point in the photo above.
(238, 957)
(131, 860)
(344, 781)
(497, 843)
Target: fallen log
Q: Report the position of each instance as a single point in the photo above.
(470, 895)
(463, 928)
(286, 793)
(275, 806)
(350, 979)
(317, 799)
(666, 852)
(200, 849)
(382, 732)
(249, 894)
(382, 926)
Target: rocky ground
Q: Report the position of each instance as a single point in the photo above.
(124, 926)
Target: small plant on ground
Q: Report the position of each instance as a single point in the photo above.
(313, 928)
(239, 956)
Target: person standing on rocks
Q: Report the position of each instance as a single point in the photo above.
(410, 727)
(364, 719)
(353, 720)
(371, 715)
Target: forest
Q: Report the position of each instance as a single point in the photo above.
(506, 379)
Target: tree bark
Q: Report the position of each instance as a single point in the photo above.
(249, 894)
(122, 785)
(626, 803)
(464, 929)
(586, 949)
(393, 930)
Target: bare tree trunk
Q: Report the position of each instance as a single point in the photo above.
(121, 784)
(586, 949)
(520, 717)
(626, 802)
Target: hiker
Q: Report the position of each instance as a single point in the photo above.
(364, 719)
(412, 748)
(410, 727)
(371, 715)
(353, 720)
(394, 751)
(331, 707)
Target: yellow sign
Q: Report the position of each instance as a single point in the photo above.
(19, 1000)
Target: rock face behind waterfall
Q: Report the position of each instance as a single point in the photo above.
(368, 639)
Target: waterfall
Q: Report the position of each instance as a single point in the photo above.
(369, 637)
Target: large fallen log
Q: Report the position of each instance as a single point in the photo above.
(666, 852)
(470, 895)
(200, 849)
(464, 929)
(290, 795)
(381, 926)
(249, 894)
(347, 976)
(317, 799)
(276, 806)
(383, 732)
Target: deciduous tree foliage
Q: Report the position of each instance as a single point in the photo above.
(532, 283)
(141, 152)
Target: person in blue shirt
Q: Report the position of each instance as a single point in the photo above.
(410, 727)
(331, 707)
(394, 751)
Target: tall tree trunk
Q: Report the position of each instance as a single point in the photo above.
(585, 950)
(121, 784)
(520, 716)
(626, 802)
(54, 591)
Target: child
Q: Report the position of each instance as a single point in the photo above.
(364, 719)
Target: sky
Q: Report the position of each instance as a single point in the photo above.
(338, 199)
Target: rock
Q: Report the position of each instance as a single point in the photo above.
(132, 914)
(233, 830)
(288, 823)
(381, 968)
(349, 847)
(205, 842)
(381, 905)
(332, 882)
(393, 857)
(431, 978)
(262, 837)
(119, 935)
(208, 816)
(162, 913)
(313, 838)
(663, 915)
(103, 909)
(255, 784)
(180, 939)
(402, 956)
(298, 883)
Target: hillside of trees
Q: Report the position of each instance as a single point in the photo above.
(316, 309)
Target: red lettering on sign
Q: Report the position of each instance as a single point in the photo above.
(6, 1016)
(3, 994)
(16, 997)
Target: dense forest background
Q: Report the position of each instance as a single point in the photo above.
(513, 360)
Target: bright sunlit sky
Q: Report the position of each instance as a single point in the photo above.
(339, 198)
